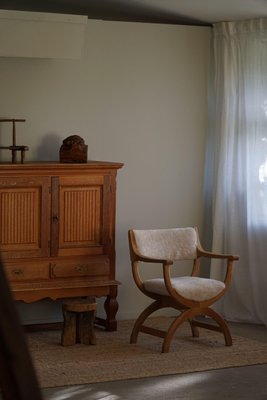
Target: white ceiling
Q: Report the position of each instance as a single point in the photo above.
(210, 10)
(196, 12)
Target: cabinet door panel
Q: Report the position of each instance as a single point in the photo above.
(80, 213)
(24, 216)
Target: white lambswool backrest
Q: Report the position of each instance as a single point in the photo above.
(169, 244)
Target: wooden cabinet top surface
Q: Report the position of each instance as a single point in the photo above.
(54, 167)
(59, 165)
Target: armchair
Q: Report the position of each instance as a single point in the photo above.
(192, 295)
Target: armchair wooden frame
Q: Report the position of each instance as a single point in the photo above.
(189, 309)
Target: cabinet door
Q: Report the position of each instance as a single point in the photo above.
(81, 215)
(24, 216)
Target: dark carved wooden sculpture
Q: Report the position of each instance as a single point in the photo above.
(18, 380)
(73, 150)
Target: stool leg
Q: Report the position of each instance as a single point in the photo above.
(78, 327)
(68, 337)
(87, 334)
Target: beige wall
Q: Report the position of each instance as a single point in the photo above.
(138, 96)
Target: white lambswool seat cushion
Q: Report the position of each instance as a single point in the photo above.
(190, 287)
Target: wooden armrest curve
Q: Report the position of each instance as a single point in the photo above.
(210, 254)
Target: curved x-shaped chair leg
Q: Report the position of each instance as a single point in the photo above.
(173, 327)
(156, 305)
(221, 322)
(189, 314)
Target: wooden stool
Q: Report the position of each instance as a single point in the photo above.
(79, 316)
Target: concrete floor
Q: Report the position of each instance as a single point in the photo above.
(246, 383)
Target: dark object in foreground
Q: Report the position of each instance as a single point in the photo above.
(18, 380)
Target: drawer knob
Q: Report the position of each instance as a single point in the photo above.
(81, 268)
(17, 271)
(55, 218)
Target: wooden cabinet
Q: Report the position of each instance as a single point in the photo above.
(57, 231)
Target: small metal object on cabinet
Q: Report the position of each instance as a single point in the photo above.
(14, 147)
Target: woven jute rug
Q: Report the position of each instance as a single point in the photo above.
(114, 358)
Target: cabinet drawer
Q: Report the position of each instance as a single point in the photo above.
(95, 266)
(22, 271)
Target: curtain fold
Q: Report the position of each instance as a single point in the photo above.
(236, 164)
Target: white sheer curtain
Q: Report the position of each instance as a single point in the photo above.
(236, 167)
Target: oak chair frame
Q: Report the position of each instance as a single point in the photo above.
(189, 309)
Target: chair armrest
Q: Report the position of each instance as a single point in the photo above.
(136, 268)
(209, 254)
(141, 258)
(172, 292)
(230, 260)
